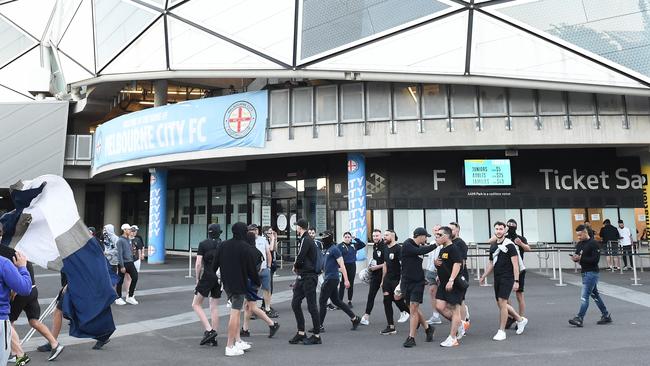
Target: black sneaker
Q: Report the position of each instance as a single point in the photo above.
(44, 348)
(577, 321)
(322, 330)
(355, 323)
(331, 307)
(273, 329)
(388, 331)
(410, 342)
(244, 333)
(429, 332)
(272, 314)
(605, 319)
(350, 304)
(510, 322)
(214, 342)
(208, 336)
(99, 344)
(55, 352)
(22, 360)
(298, 338)
(312, 340)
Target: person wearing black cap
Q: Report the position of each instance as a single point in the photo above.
(233, 259)
(305, 286)
(412, 284)
(207, 284)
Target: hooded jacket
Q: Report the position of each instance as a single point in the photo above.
(110, 245)
(235, 261)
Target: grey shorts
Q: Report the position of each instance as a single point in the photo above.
(237, 301)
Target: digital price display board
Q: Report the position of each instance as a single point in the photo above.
(488, 173)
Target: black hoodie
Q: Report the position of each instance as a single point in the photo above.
(236, 262)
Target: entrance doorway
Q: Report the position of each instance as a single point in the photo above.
(283, 220)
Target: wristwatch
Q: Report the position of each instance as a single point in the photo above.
(517, 281)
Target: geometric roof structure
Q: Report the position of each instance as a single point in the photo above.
(590, 42)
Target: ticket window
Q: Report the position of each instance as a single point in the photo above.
(596, 218)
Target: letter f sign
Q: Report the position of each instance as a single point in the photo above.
(437, 177)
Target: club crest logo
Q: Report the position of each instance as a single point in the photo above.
(239, 119)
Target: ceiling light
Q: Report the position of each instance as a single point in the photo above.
(129, 174)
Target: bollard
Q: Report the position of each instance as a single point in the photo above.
(189, 269)
(559, 269)
(476, 259)
(636, 278)
(485, 266)
(553, 266)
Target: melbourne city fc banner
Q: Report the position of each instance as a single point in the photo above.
(357, 199)
(46, 227)
(237, 120)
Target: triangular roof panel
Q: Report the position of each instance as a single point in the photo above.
(26, 74)
(191, 48)
(13, 42)
(266, 26)
(72, 72)
(499, 49)
(63, 13)
(147, 53)
(405, 52)
(8, 95)
(78, 39)
(30, 15)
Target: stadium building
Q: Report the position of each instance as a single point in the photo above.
(353, 114)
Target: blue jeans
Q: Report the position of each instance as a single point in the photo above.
(590, 288)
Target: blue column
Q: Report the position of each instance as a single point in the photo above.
(157, 212)
(357, 199)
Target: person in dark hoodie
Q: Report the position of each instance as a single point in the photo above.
(207, 284)
(236, 265)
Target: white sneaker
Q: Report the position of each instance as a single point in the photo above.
(228, 304)
(450, 342)
(120, 301)
(466, 313)
(243, 346)
(500, 336)
(521, 325)
(132, 300)
(460, 333)
(404, 316)
(365, 320)
(435, 319)
(233, 351)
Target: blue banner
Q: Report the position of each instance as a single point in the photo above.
(203, 124)
(357, 199)
(157, 212)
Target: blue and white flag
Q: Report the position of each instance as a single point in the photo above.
(46, 227)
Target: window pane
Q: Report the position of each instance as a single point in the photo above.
(378, 101)
(434, 100)
(326, 103)
(610, 104)
(182, 229)
(405, 221)
(474, 224)
(302, 105)
(442, 217)
(504, 215)
(563, 223)
(279, 107)
(522, 102)
(342, 224)
(199, 227)
(551, 102)
(493, 101)
(380, 219)
(218, 206)
(537, 225)
(406, 101)
(581, 103)
(637, 105)
(352, 102)
(463, 101)
(12, 42)
(238, 199)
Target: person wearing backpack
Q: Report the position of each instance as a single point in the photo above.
(333, 264)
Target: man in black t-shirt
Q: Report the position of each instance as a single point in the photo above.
(392, 272)
(460, 243)
(207, 284)
(449, 296)
(375, 267)
(504, 261)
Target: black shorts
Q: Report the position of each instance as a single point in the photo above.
(390, 285)
(28, 303)
(412, 291)
(208, 287)
(453, 297)
(59, 300)
(503, 287)
(522, 280)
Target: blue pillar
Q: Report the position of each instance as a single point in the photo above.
(357, 199)
(157, 212)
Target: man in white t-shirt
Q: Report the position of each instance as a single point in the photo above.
(625, 240)
(265, 272)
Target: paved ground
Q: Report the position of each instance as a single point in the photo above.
(162, 330)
